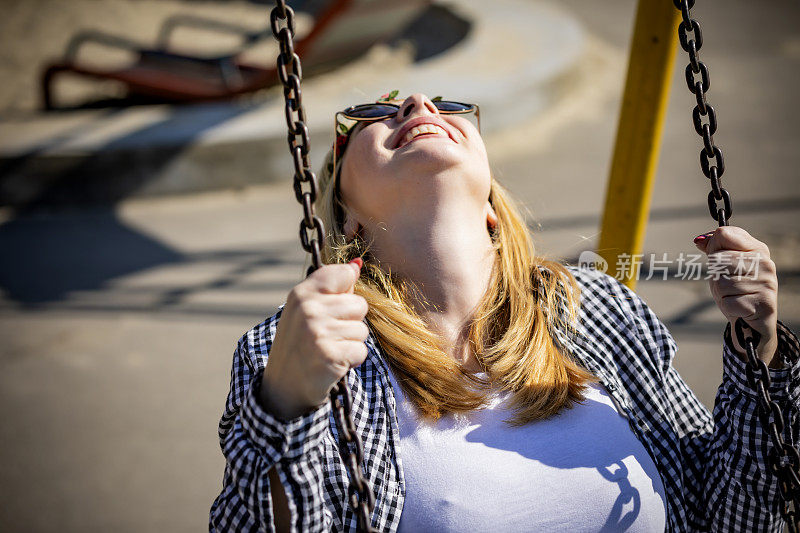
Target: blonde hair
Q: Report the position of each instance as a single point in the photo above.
(510, 333)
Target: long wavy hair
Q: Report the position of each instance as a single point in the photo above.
(510, 332)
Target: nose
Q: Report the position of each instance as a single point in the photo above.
(416, 104)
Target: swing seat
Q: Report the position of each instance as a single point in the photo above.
(342, 30)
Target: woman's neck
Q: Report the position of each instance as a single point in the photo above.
(448, 259)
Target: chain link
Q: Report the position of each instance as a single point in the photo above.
(312, 234)
(783, 459)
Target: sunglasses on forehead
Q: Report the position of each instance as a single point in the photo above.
(346, 120)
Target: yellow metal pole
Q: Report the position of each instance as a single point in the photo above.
(633, 166)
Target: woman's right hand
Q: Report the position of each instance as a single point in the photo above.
(320, 336)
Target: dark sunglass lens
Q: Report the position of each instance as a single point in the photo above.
(452, 107)
(371, 111)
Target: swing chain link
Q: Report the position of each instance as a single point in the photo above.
(312, 235)
(783, 459)
(704, 117)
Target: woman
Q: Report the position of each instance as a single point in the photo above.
(493, 389)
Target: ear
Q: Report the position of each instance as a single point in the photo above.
(351, 227)
(491, 217)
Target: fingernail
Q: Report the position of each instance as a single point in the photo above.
(703, 236)
(358, 262)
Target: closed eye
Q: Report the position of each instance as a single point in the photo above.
(363, 124)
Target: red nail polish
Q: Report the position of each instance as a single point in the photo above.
(700, 238)
(358, 262)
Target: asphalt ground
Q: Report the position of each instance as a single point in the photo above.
(118, 324)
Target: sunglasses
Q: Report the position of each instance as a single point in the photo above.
(384, 110)
(346, 120)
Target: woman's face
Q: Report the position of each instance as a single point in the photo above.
(408, 165)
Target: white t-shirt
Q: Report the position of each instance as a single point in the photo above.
(581, 471)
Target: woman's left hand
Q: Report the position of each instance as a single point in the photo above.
(744, 284)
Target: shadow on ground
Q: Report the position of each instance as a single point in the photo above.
(87, 181)
(57, 257)
(53, 257)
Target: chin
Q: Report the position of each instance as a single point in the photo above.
(432, 178)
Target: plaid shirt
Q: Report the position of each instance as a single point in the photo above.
(713, 469)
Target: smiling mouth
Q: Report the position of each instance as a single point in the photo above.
(423, 130)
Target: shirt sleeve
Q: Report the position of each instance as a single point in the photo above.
(727, 484)
(741, 439)
(253, 441)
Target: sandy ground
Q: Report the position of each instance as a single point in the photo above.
(35, 32)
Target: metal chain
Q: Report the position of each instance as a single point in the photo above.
(312, 234)
(783, 458)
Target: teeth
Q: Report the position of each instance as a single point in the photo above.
(421, 130)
